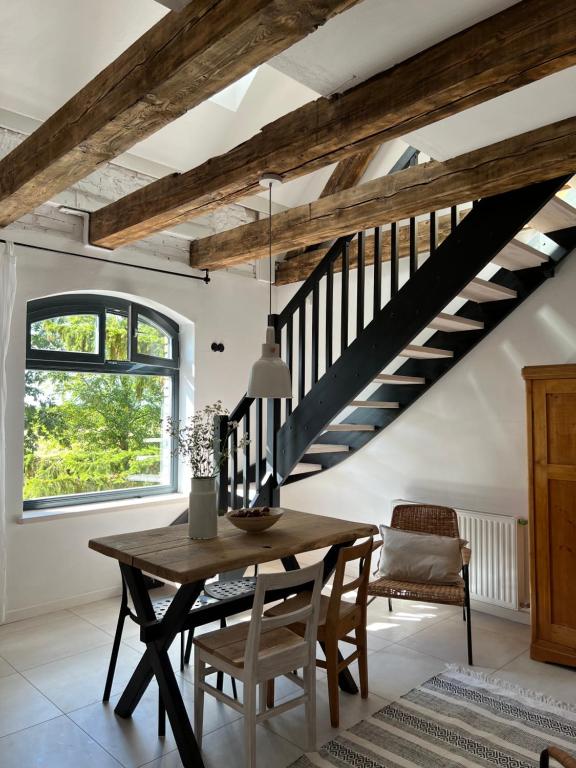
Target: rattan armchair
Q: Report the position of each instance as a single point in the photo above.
(563, 758)
(441, 521)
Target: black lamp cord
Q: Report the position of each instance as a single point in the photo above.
(270, 246)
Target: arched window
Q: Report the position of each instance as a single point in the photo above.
(101, 381)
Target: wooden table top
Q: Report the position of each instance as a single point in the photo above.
(169, 554)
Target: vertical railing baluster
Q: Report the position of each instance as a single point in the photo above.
(290, 356)
(344, 305)
(222, 462)
(234, 467)
(377, 270)
(315, 332)
(413, 247)
(301, 352)
(258, 449)
(360, 283)
(246, 477)
(453, 217)
(433, 232)
(273, 418)
(329, 312)
(394, 259)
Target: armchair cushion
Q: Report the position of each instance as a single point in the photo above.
(420, 557)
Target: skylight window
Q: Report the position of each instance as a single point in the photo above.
(233, 95)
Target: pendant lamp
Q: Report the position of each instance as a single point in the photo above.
(270, 376)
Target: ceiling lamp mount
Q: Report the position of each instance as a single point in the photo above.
(270, 180)
(270, 376)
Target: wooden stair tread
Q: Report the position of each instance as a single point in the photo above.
(519, 255)
(556, 214)
(303, 467)
(416, 351)
(327, 448)
(450, 323)
(230, 644)
(483, 290)
(395, 378)
(350, 428)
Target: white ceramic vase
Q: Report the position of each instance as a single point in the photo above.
(203, 508)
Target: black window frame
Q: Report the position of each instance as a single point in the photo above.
(81, 362)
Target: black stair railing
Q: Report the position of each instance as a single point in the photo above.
(340, 318)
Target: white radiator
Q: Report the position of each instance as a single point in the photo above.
(499, 564)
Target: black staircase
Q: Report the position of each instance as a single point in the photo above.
(338, 341)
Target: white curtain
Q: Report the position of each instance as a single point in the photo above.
(7, 294)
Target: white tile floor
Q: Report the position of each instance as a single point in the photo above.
(52, 672)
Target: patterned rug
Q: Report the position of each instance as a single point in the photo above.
(458, 718)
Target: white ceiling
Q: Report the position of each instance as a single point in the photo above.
(48, 51)
(211, 128)
(546, 101)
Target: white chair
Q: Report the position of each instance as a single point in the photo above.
(261, 650)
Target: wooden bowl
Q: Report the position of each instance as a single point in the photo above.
(255, 524)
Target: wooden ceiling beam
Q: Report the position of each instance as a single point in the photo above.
(349, 172)
(299, 268)
(541, 154)
(523, 43)
(179, 63)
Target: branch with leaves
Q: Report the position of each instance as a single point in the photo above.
(196, 440)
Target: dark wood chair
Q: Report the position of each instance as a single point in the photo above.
(340, 621)
(566, 760)
(442, 521)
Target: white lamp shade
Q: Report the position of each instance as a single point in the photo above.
(270, 376)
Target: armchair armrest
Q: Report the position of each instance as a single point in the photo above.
(562, 757)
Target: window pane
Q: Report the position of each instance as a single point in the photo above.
(116, 336)
(69, 333)
(152, 340)
(89, 432)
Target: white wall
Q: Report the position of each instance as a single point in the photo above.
(49, 564)
(463, 443)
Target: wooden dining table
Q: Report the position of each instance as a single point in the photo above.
(169, 554)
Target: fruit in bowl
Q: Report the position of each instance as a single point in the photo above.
(254, 519)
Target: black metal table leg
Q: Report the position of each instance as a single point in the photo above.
(156, 663)
(290, 563)
(179, 721)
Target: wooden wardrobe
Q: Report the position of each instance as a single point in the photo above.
(551, 392)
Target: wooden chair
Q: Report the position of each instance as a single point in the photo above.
(260, 650)
(338, 619)
(559, 755)
(441, 521)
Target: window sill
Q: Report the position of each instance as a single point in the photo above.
(80, 510)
